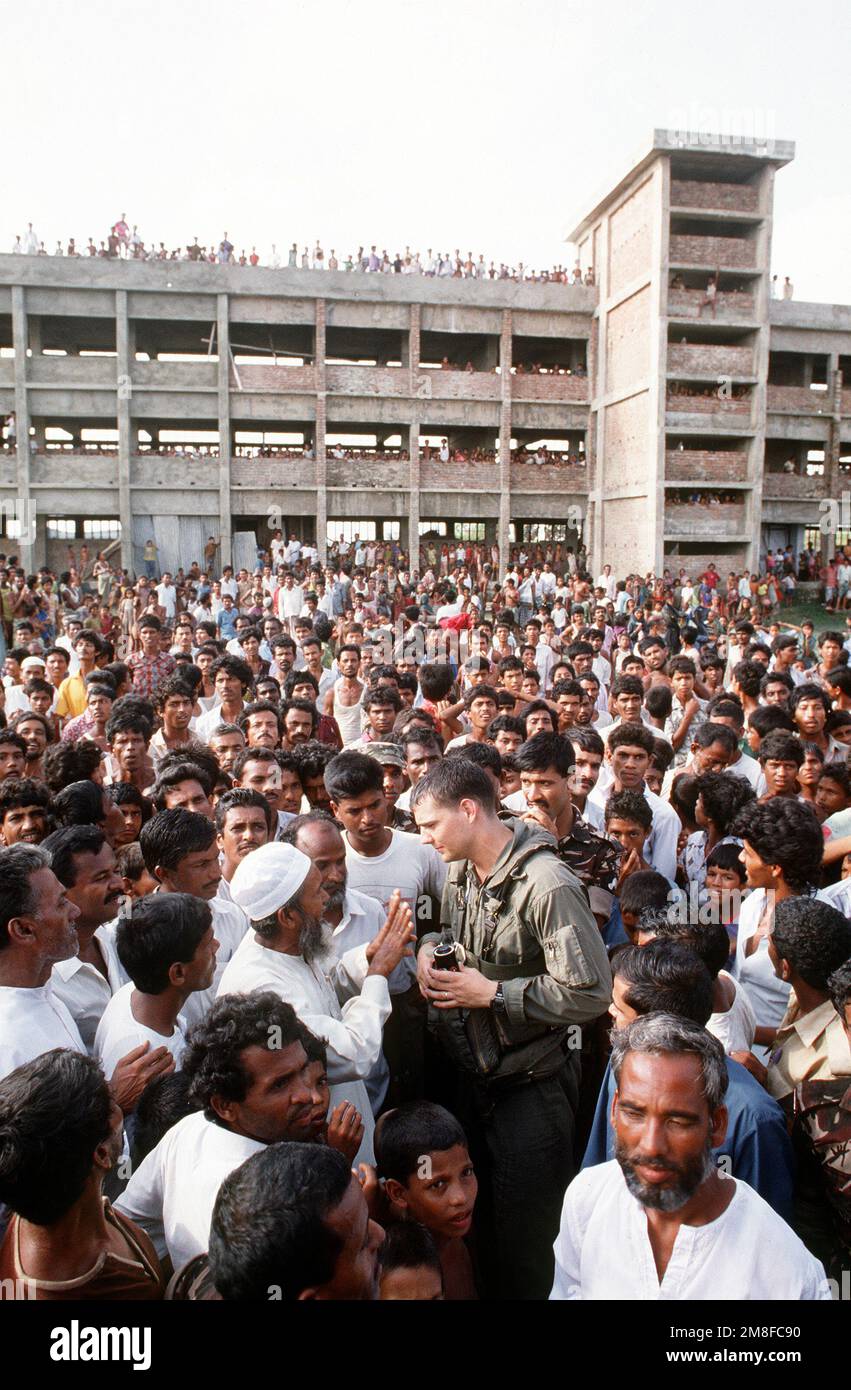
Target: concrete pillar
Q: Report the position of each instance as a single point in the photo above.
(35, 337)
(504, 441)
(414, 494)
(225, 445)
(124, 396)
(25, 505)
(319, 436)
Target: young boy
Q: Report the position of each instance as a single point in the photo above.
(409, 1265)
(725, 882)
(422, 1160)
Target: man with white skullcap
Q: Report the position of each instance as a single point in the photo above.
(346, 1002)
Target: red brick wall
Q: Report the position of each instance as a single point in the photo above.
(711, 251)
(707, 358)
(799, 398)
(705, 465)
(693, 193)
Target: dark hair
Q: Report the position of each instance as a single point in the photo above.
(170, 835)
(588, 740)
(174, 685)
(508, 724)
(63, 846)
(631, 736)
(809, 691)
(295, 678)
(125, 794)
(259, 707)
(781, 747)
(683, 796)
(723, 795)
(17, 899)
(173, 776)
(404, 1135)
(81, 803)
(834, 771)
(72, 761)
(545, 751)
(22, 791)
(452, 781)
(787, 833)
(664, 977)
(767, 719)
(726, 706)
(164, 1101)
(781, 678)
(747, 675)
(840, 677)
(269, 1226)
(436, 680)
(629, 805)
(352, 774)
(710, 733)
(290, 833)
(727, 856)
(484, 755)
(813, 936)
(659, 700)
(308, 707)
(128, 721)
(231, 1025)
(708, 940)
(54, 1112)
(643, 889)
(234, 666)
(408, 1245)
(159, 930)
(240, 797)
(839, 985)
(9, 736)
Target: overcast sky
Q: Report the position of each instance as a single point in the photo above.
(487, 126)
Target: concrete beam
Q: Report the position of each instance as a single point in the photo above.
(225, 449)
(125, 443)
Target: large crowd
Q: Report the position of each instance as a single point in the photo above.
(124, 243)
(420, 928)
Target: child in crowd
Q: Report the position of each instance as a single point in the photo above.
(409, 1265)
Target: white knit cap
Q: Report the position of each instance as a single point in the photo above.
(268, 879)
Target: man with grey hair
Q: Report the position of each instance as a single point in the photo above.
(661, 1221)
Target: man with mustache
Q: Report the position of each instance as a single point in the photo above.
(84, 862)
(661, 1220)
(344, 1002)
(354, 918)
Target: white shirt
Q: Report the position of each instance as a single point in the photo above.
(353, 1033)
(84, 990)
(33, 1021)
(173, 1191)
(768, 995)
(119, 1032)
(290, 602)
(747, 767)
(360, 923)
(747, 1253)
(167, 595)
(230, 925)
(407, 864)
(660, 847)
(735, 1028)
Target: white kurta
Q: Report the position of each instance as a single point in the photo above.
(173, 1191)
(748, 1253)
(33, 1021)
(352, 1032)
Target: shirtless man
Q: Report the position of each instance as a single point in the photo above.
(343, 701)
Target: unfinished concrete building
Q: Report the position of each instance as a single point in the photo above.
(179, 400)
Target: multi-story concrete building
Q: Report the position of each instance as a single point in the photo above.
(687, 429)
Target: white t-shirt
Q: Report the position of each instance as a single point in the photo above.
(84, 990)
(33, 1021)
(167, 595)
(747, 1253)
(407, 864)
(735, 1028)
(173, 1191)
(119, 1032)
(769, 996)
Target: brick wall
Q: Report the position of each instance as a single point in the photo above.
(694, 193)
(729, 559)
(454, 476)
(546, 478)
(704, 521)
(709, 359)
(707, 405)
(846, 403)
(630, 238)
(628, 342)
(687, 304)
(431, 384)
(705, 465)
(368, 381)
(628, 542)
(367, 473)
(271, 378)
(711, 251)
(791, 485)
(549, 388)
(273, 473)
(799, 398)
(625, 448)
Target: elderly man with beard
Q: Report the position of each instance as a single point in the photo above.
(661, 1221)
(354, 918)
(345, 1002)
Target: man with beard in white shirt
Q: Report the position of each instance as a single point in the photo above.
(661, 1221)
(250, 1094)
(354, 918)
(281, 891)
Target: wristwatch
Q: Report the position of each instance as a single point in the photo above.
(498, 1001)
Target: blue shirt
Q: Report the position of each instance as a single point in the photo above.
(757, 1143)
(227, 623)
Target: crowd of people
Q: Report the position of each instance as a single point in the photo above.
(427, 931)
(124, 243)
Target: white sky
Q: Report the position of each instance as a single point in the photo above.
(489, 127)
